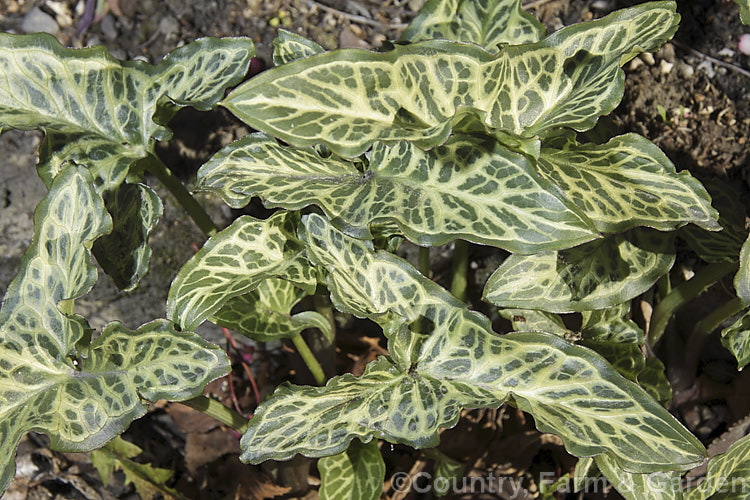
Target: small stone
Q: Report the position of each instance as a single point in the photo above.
(708, 68)
(635, 64)
(169, 26)
(665, 67)
(109, 30)
(685, 70)
(667, 52)
(37, 21)
(648, 58)
(602, 5)
(726, 52)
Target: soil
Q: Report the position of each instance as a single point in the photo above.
(691, 98)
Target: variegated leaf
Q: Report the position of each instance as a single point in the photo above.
(568, 389)
(83, 404)
(234, 262)
(742, 279)
(57, 267)
(586, 473)
(736, 338)
(654, 486)
(595, 275)
(288, 47)
(488, 23)
(728, 475)
(265, 313)
(99, 111)
(447, 472)
(612, 325)
(628, 182)
(348, 99)
(354, 474)
(725, 245)
(530, 320)
(124, 253)
(470, 188)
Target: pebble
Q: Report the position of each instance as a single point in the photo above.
(685, 70)
(648, 58)
(37, 21)
(726, 52)
(169, 26)
(667, 52)
(665, 67)
(602, 5)
(708, 68)
(108, 27)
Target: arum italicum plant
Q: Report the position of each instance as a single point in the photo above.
(467, 130)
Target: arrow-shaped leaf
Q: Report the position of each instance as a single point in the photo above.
(470, 188)
(727, 476)
(288, 47)
(595, 275)
(568, 389)
(489, 24)
(265, 313)
(348, 99)
(234, 262)
(99, 111)
(628, 182)
(81, 404)
(124, 253)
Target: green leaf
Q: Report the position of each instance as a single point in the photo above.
(99, 111)
(744, 11)
(654, 486)
(234, 262)
(81, 404)
(447, 472)
(149, 481)
(470, 188)
(727, 476)
(736, 338)
(265, 313)
(354, 474)
(725, 245)
(585, 473)
(530, 320)
(628, 182)
(489, 24)
(569, 390)
(742, 279)
(595, 275)
(348, 99)
(288, 47)
(124, 253)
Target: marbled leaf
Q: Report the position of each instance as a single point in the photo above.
(654, 486)
(470, 188)
(728, 475)
(124, 254)
(628, 182)
(742, 279)
(736, 338)
(81, 404)
(234, 262)
(265, 313)
(354, 474)
(460, 363)
(488, 23)
(725, 245)
(348, 99)
(288, 47)
(99, 111)
(595, 275)
(744, 11)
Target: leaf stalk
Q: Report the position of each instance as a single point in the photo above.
(309, 358)
(684, 293)
(218, 411)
